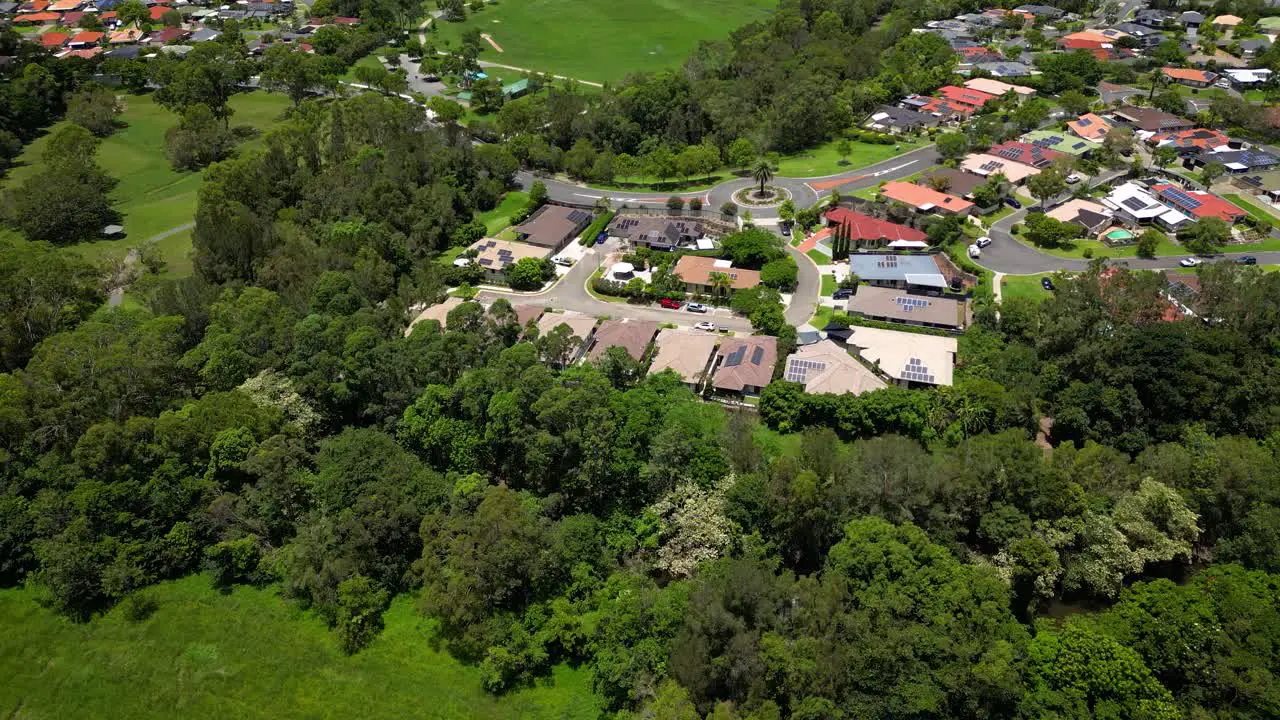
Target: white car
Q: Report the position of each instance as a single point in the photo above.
(974, 251)
(562, 260)
(704, 325)
(1189, 262)
(1074, 178)
(983, 241)
(696, 307)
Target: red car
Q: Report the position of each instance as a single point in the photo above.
(669, 303)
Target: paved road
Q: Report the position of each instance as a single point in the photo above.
(570, 294)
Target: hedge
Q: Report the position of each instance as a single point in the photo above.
(589, 235)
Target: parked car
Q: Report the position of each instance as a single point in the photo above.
(562, 260)
(974, 251)
(1013, 203)
(842, 293)
(1074, 178)
(786, 229)
(696, 307)
(1046, 283)
(983, 241)
(1189, 262)
(1247, 260)
(669, 303)
(704, 325)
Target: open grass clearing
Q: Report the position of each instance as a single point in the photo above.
(151, 195)
(1023, 286)
(248, 654)
(824, 160)
(499, 218)
(587, 41)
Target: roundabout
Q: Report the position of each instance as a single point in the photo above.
(753, 196)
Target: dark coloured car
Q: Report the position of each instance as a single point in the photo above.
(842, 293)
(786, 230)
(1013, 203)
(1046, 283)
(1247, 260)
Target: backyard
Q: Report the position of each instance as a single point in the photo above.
(579, 39)
(152, 196)
(194, 658)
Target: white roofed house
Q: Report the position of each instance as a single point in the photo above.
(909, 358)
(1134, 204)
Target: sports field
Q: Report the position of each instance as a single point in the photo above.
(247, 654)
(602, 41)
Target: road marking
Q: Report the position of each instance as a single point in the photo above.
(895, 168)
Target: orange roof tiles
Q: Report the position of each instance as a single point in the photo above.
(63, 5)
(87, 37)
(39, 17)
(53, 39)
(1090, 126)
(1189, 75)
(923, 198)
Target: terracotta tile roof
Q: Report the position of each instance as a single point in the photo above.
(865, 227)
(39, 17)
(1197, 202)
(63, 5)
(87, 37)
(125, 36)
(1026, 153)
(697, 270)
(83, 52)
(939, 106)
(1189, 74)
(71, 19)
(923, 197)
(158, 11)
(630, 335)
(1204, 138)
(1090, 126)
(1080, 44)
(964, 96)
(687, 352)
(745, 362)
(54, 39)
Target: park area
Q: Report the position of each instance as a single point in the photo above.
(588, 41)
(154, 198)
(247, 653)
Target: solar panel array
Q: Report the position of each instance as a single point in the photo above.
(578, 216)
(907, 304)
(1079, 145)
(734, 358)
(756, 355)
(916, 371)
(1048, 142)
(1134, 203)
(991, 166)
(798, 369)
(1010, 153)
(1181, 198)
(1084, 122)
(887, 261)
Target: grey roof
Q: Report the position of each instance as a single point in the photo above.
(8, 7)
(875, 267)
(205, 35)
(1004, 69)
(1249, 158)
(127, 52)
(1191, 17)
(902, 117)
(1151, 17)
(1038, 10)
(1255, 44)
(1112, 93)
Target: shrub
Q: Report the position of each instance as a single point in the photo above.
(695, 203)
(675, 202)
(729, 209)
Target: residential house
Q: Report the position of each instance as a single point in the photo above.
(1253, 47)
(1087, 40)
(1152, 18)
(1191, 140)
(866, 231)
(1227, 22)
(633, 336)
(84, 52)
(1238, 161)
(1005, 69)
(1191, 20)
(1150, 119)
(1021, 152)
(438, 312)
(205, 35)
(688, 353)
(826, 368)
(528, 312)
(896, 120)
(1061, 142)
(1190, 77)
(895, 306)
(1113, 94)
(39, 18)
(902, 272)
(697, 274)
(955, 182)
(1197, 203)
(65, 5)
(495, 256)
(973, 99)
(998, 88)
(912, 359)
(1090, 126)
(978, 54)
(938, 107)
(1093, 217)
(581, 326)
(71, 19)
(54, 40)
(85, 39)
(8, 8)
(124, 37)
(925, 199)
(1136, 205)
(744, 365)
(660, 233)
(553, 226)
(985, 165)
(1247, 78)
(1147, 37)
(168, 35)
(1041, 11)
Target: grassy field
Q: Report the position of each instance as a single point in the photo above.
(1023, 286)
(247, 654)
(152, 196)
(823, 160)
(1254, 211)
(498, 218)
(588, 41)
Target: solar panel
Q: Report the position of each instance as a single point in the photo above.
(734, 358)
(1078, 145)
(1084, 122)
(1010, 153)
(486, 262)
(798, 369)
(1134, 203)
(1181, 198)
(916, 371)
(907, 304)
(991, 166)
(756, 355)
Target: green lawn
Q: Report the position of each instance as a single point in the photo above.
(823, 160)
(1167, 248)
(1254, 211)
(497, 219)
(152, 196)
(248, 654)
(821, 316)
(819, 257)
(828, 285)
(366, 61)
(1023, 286)
(586, 40)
